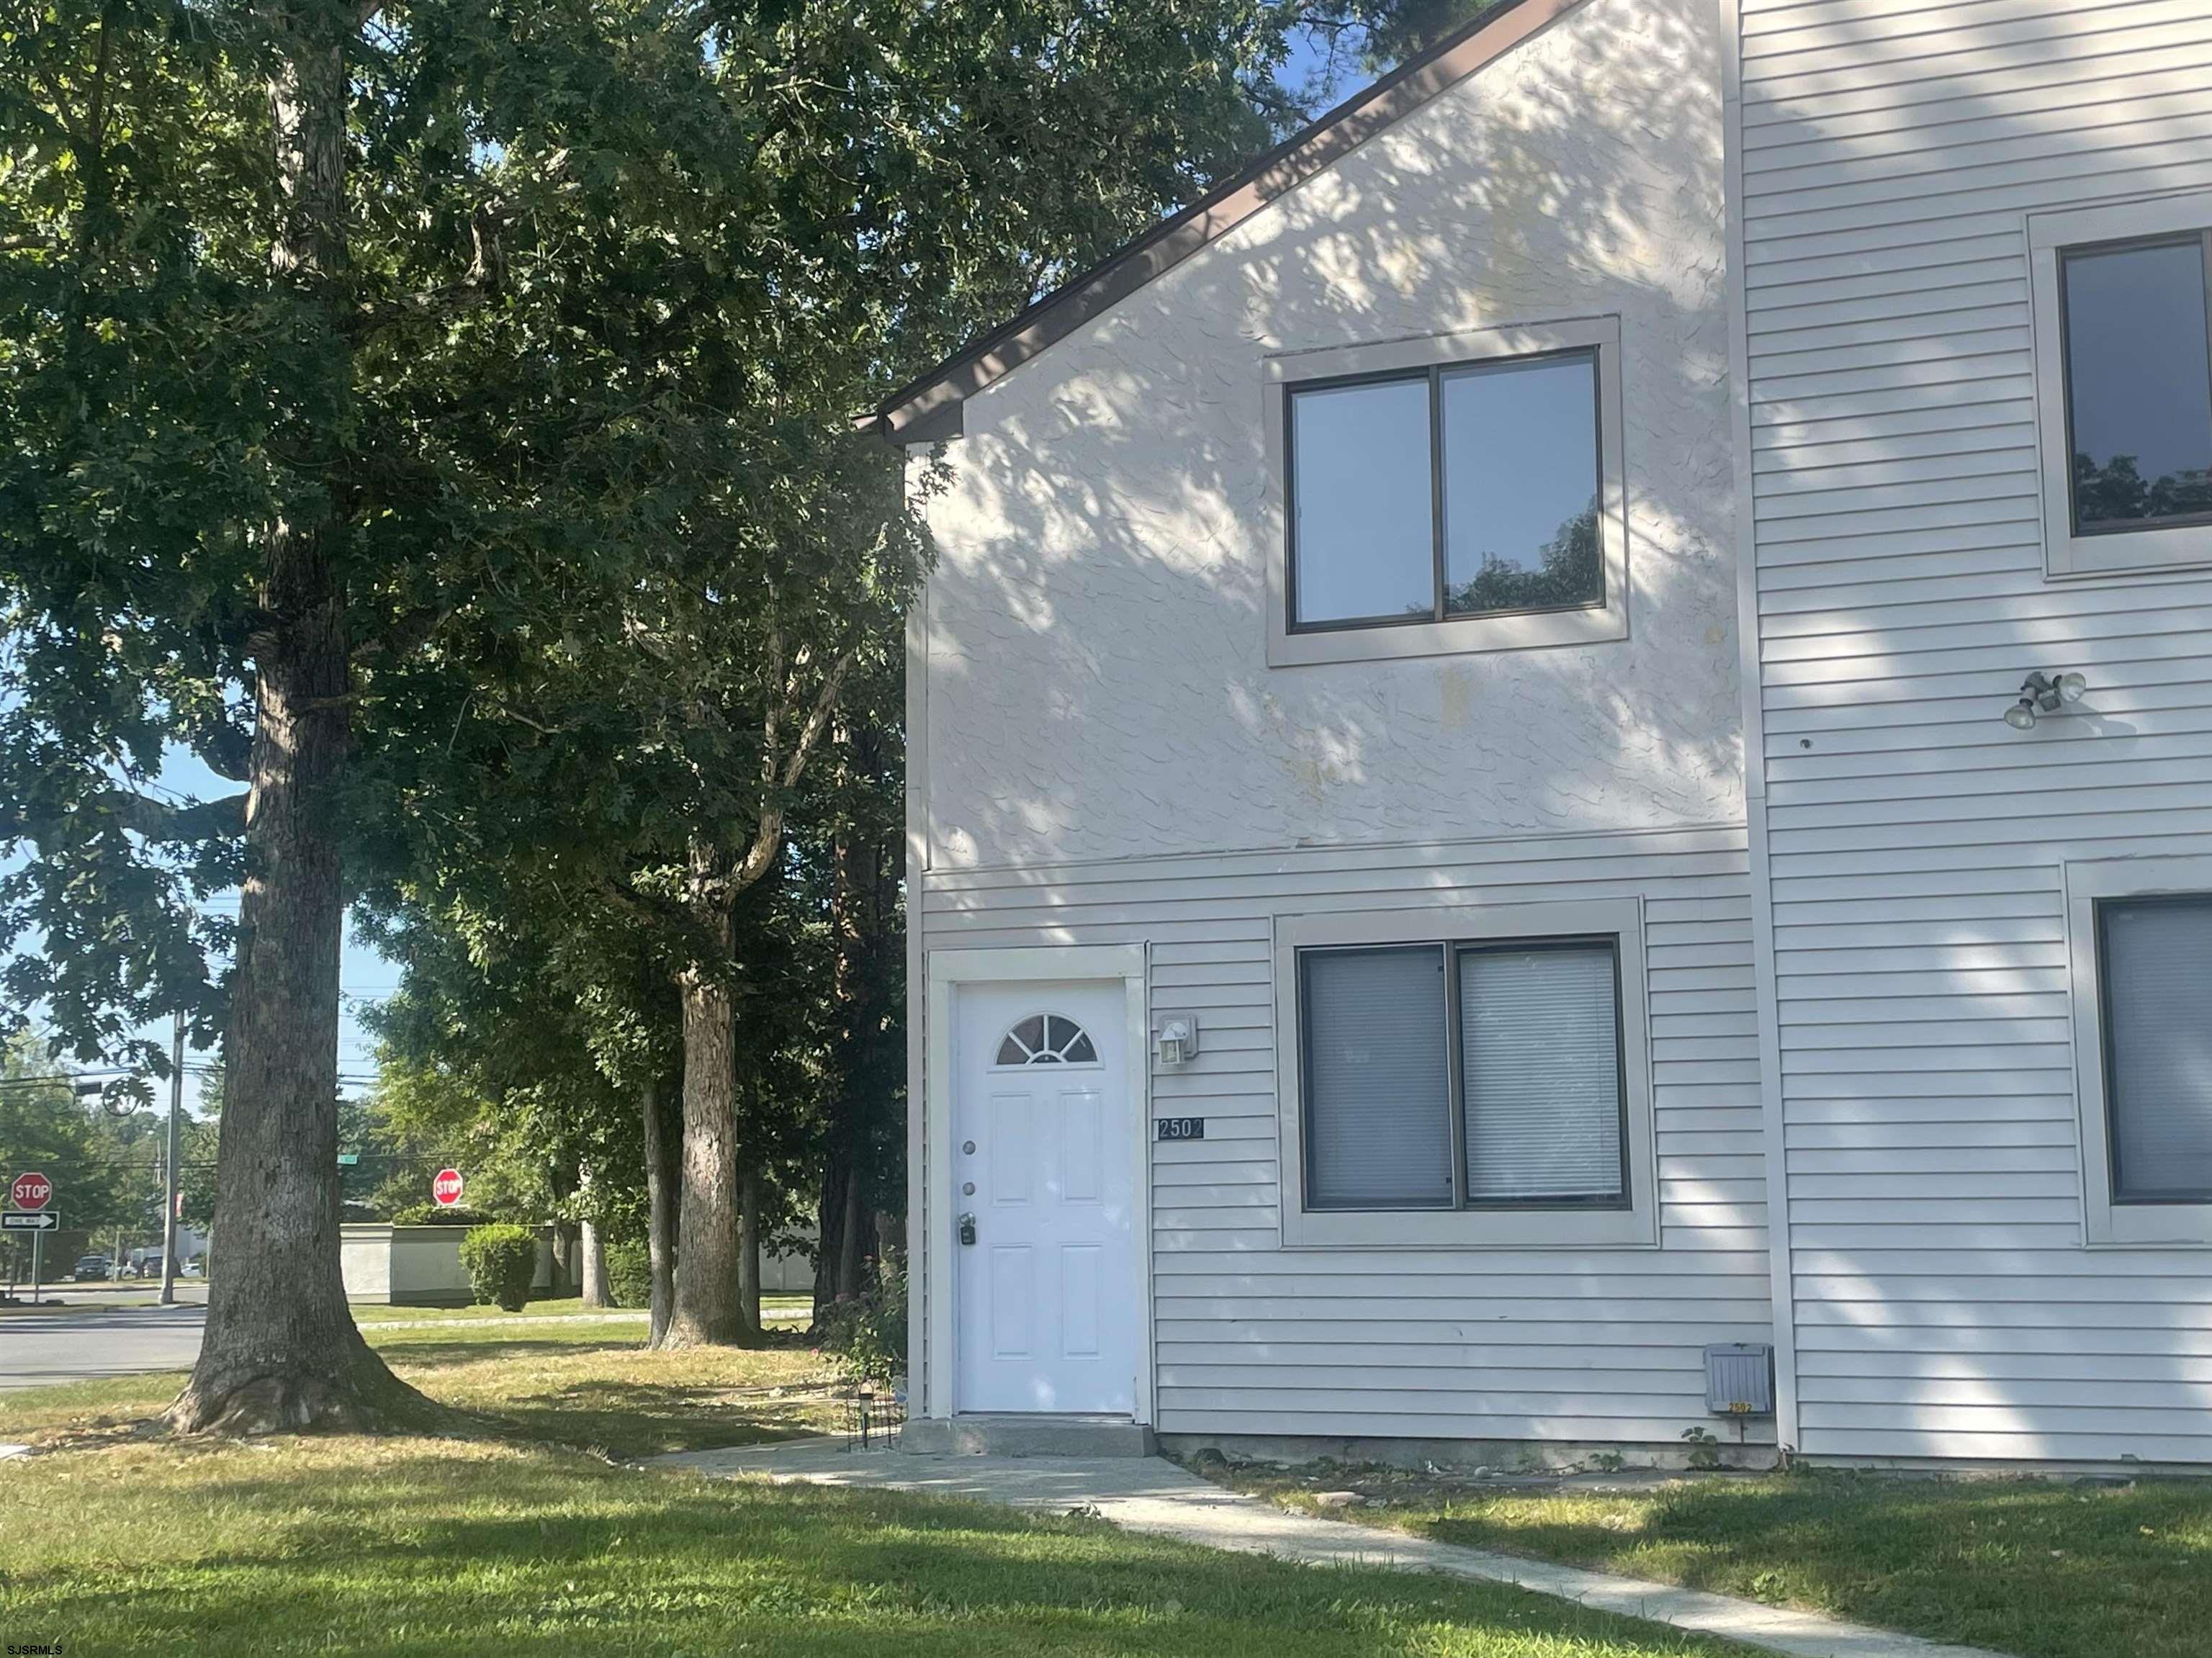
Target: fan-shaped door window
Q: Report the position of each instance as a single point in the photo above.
(1047, 1039)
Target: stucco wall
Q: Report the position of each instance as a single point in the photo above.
(1098, 684)
(1106, 758)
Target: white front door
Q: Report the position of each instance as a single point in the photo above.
(1044, 1152)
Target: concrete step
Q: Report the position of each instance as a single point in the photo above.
(986, 1434)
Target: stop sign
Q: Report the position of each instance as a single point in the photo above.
(31, 1191)
(446, 1187)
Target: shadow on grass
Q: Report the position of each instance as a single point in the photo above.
(532, 1553)
(2041, 1568)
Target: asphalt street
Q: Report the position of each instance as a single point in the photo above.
(40, 1349)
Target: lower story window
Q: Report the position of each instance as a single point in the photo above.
(2156, 964)
(1464, 1075)
(2139, 948)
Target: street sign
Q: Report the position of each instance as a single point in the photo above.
(31, 1191)
(31, 1220)
(446, 1188)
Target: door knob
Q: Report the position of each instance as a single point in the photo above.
(966, 1228)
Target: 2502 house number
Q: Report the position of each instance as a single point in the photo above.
(1179, 1128)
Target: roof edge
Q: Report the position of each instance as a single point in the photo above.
(929, 408)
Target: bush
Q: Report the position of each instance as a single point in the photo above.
(500, 1260)
(629, 1275)
(429, 1214)
(867, 1332)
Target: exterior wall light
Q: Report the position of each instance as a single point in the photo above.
(2041, 694)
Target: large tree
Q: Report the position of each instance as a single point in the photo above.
(363, 363)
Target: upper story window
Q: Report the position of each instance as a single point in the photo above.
(1449, 492)
(1460, 493)
(2123, 341)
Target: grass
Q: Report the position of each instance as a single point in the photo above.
(588, 1385)
(419, 1547)
(511, 1545)
(780, 1308)
(2038, 1568)
(366, 1313)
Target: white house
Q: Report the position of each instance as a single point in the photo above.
(1465, 845)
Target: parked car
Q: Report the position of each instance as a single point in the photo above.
(89, 1268)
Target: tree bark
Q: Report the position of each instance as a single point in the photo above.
(594, 1287)
(862, 927)
(748, 1257)
(592, 1251)
(660, 1215)
(709, 1299)
(280, 1350)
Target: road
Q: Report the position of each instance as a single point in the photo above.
(40, 1349)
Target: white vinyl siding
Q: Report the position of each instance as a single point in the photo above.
(1892, 152)
(1560, 1344)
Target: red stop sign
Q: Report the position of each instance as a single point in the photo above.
(446, 1187)
(32, 1191)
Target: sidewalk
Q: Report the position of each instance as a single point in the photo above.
(1147, 1494)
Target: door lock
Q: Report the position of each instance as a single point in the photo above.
(968, 1228)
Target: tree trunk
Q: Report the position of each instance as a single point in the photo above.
(280, 1351)
(709, 1297)
(660, 1215)
(863, 1057)
(748, 1257)
(591, 1250)
(594, 1288)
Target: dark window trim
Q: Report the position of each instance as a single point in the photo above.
(1434, 375)
(2103, 908)
(2122, 245)
(1450, 951)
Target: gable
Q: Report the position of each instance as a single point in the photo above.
(931, 407)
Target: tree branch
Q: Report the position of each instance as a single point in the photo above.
(157, 820)
(225, 751)
(768, 838)
(486, 274)
(824, 705)
(406, 634)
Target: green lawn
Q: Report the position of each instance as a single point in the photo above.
(502, 1542)
(447, 1549)
(588, 1385)
(779, 1309)
(2039, 1568)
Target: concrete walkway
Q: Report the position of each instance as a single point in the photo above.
(1147, 1494)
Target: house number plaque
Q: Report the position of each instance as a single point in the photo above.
(1179, 1128)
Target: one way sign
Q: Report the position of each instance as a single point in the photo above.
(31, 1220)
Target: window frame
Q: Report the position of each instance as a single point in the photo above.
(2070, 552)
(2108, 1223)
(1630, 1221)
(1434, 357)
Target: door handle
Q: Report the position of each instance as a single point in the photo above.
(968, 1228)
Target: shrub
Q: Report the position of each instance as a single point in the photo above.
(868, 1332)
(429, 1214)
(629, 1275)
(500, 1260)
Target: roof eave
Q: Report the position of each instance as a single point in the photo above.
(932, 407)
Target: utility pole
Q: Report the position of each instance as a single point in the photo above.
(176, 1142)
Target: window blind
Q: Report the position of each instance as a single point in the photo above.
(1378, 1128)
(1540, 1052)
(2158, 1046)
